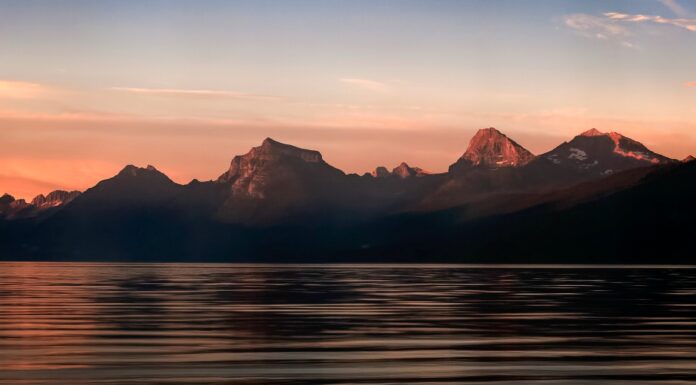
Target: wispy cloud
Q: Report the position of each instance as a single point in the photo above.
(676, 8)
(598, 27)
(613, 26)
(367, 84)
(196, 93)
(20, 90)
(690, 84)
(689, 24)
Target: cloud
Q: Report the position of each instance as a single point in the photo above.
(6, 113)
(598, 27)
(612, 25)
(690, 84)
(194, 93)
(20, 90)
(367, 84)
(675, 7)
(689, 24)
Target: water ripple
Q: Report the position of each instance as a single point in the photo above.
(80, 323)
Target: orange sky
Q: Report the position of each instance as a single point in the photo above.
(43, 154)
(85, 90)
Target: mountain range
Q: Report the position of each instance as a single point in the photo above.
(599, 198)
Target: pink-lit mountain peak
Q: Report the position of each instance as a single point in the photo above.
(493, 149)
(629, 148)
(601, 153)
(592, 132)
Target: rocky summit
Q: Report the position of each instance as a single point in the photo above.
(492, 149)
(250, 174)
(598, 153)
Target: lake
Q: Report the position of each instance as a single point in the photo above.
(103, 323)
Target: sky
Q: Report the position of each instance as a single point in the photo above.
(87, 87)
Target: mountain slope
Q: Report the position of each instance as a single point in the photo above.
(644, 218)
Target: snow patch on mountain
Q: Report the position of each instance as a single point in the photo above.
(576, 153)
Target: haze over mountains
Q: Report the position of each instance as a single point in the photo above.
(601, 196)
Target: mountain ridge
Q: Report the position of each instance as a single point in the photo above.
(483, 147)
(280, 202)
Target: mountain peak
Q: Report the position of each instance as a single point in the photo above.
(595, 152)
(271, 149)
(491, 148)
(592, 132)
(54, 198)
(131, 170)
(142, 173)
(403, 167)
(489, 131)
(401, 171)
(270, 142)
(405, 171)
(5, 201)
(689, 158)
(20, 208)
(251, 173)
(380, 172)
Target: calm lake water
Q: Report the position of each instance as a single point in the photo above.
(76, 323)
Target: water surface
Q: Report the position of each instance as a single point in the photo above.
(79, 323)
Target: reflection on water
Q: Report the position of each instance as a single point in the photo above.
(238, 324)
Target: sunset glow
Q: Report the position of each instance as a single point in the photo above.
(87, 89)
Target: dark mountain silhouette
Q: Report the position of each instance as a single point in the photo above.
(497, 203)
(638, 216)
(403, 171)
(380, 172)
